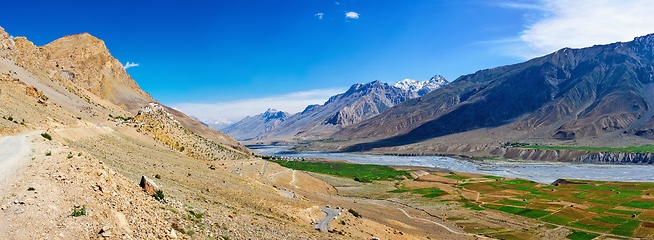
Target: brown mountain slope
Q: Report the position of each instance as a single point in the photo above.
(572, 94)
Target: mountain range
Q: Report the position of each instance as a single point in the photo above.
(360, 102)
(600, 95)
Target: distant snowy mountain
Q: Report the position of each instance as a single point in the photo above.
(419, 88)
(360, 102)
(218, 123)
(251, 128)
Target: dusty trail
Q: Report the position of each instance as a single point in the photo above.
(14, 152)
(437, 223)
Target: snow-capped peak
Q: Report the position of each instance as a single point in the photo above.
(421, 88)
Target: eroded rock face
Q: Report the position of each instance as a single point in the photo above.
(81, 63)
(6, 42)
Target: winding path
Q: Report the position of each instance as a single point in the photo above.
(324, 222)
(434, 222)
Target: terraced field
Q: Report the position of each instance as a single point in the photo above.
(588, 208)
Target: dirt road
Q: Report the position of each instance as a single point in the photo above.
(331, 215)
(14, 152)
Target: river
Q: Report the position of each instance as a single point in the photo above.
(543, 172)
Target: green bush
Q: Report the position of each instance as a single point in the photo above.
(355, 213)
(159, 195)
(48, 153)
(31, 189)
(77, 211)
(46, 136)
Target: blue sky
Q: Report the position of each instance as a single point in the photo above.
(229, 59)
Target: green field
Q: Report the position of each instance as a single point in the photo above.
(587, 208)
(358, 172)
(594, 206)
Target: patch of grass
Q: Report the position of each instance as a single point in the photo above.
(509, 209)
(533, 213)
(556, 219)
(197, 215)
(358, 172)
(79, 211)
(473, 207)
(159, 195)
(457, 177)
(429, 192)
(611, 219)
(594, 187)
(516, 181)
(623, 211)
(639, 204)
(507, 201)
(627, 228)
(399, 190)
(588, 227)
(354, 213)
(492, 177)
(581, 236)
(46, 136)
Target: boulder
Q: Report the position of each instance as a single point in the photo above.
(148, 185)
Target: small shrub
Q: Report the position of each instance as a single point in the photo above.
(119, 187)
(10, 118)
(342, 222)
(31, 189)
(355, 213)
(77, 211)
(79, 154)
(196, 215)
(181, 149)
(46, 136)
(157, 176)
(69, 156)
(48, 153)
(159, 195)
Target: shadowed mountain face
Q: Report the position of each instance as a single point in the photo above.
(580, 93)
(360, 102)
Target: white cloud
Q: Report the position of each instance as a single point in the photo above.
(582, 23)
(238, 109)
(319, 15)
(11, 36)
(130, 64)
(353, 15)
(337, 3)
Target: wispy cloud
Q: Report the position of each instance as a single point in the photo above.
(352, 15)
(130, 64)
(238, 109)
(580, 23)
(319, 15)
(522, 5)
(337, 3)
(11, 36)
